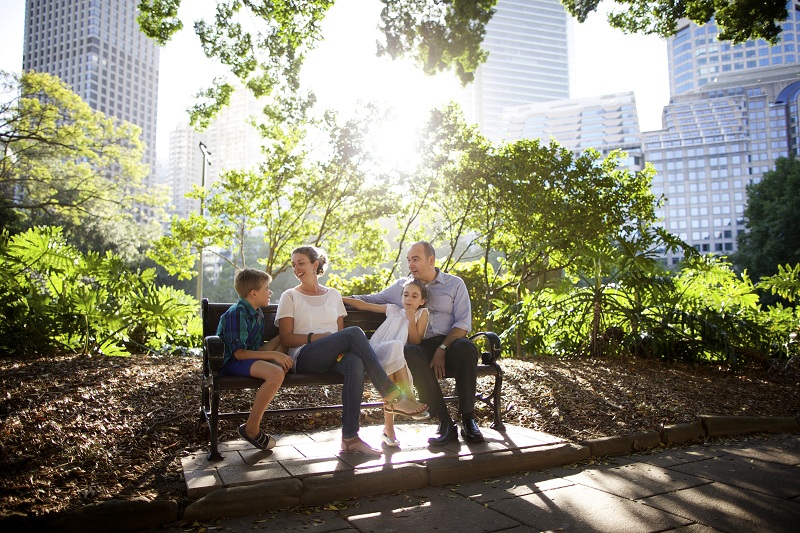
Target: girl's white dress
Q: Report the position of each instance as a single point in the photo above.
(390, 337)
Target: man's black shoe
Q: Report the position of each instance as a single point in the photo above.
(470, 430)
(449, 435)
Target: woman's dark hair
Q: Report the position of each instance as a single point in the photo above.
(313, 254)
(423, 289)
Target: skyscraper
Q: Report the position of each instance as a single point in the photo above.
(605, 123)
(527, 45)
(232, 141)
(696, 57)
(96, 48)
(716, 140)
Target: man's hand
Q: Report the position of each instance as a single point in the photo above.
(437, 363)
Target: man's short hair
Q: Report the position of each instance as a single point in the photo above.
(427, 248)
(250, 279)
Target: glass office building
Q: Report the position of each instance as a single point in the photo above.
(715, 142)
(696, 57)
(605, 123)
(527, 45)
(96, 48)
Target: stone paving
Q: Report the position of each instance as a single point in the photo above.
(301, 456)
(736, 485)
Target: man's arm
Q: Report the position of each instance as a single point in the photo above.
(393, 294)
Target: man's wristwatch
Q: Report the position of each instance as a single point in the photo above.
(443, 347)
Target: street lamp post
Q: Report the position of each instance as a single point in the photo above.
(206, 162)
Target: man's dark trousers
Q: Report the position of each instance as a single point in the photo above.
(461, 363)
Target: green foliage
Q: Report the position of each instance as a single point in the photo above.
(438, 34)
(786, 283)
(488, 288)
(772, 216)
(55, 298)
(327, 200)
(265, 58)
(365, 284)
(739, 21)
(65, 164)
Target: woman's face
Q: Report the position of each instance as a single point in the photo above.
(303, 267)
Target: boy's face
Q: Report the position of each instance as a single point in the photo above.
(260, 297)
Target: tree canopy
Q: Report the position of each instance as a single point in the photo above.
(62, 163)
(264, 42)
(739, 21)
(772, 217)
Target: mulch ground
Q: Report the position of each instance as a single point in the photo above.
(77, 429)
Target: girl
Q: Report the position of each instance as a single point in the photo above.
(402, 325)
(310, 323)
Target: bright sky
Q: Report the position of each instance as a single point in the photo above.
(344, 70)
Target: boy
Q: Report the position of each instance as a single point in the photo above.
(241, 328)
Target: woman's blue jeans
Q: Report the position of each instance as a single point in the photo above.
(320, 356)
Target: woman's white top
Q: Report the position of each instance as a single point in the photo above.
(312, 314)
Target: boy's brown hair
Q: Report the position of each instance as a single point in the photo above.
(250, 279)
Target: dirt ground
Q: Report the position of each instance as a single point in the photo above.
(78, 429)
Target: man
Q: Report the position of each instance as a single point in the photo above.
(445, 350)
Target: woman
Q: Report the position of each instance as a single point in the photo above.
(310, 322)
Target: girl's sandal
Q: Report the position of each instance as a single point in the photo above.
(356, 445)
(391, 442)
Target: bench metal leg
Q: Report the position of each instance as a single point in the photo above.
(498, 408)
(213, 427)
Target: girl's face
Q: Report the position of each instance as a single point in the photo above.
(303, 267)
(412, 297)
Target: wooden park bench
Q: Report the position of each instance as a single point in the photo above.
(214, 385)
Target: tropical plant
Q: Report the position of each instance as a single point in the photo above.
(55, 298)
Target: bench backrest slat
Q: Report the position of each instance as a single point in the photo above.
(211, 312)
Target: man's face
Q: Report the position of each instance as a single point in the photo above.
(419, 266)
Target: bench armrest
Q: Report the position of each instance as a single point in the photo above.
(213, 354)
(494, 347)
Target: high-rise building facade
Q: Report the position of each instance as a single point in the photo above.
(527, 45)
(605, 123)
(231, 141)
(716, 140)
(96, 48)
(697, 57)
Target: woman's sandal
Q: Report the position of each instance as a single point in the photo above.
(404, 406)
(262, 441)
(356, 445)
(422, 415)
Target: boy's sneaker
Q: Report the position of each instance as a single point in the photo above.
(262, 440)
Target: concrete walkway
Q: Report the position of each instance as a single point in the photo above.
(737, 485)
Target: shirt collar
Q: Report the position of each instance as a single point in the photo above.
(250, 309)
